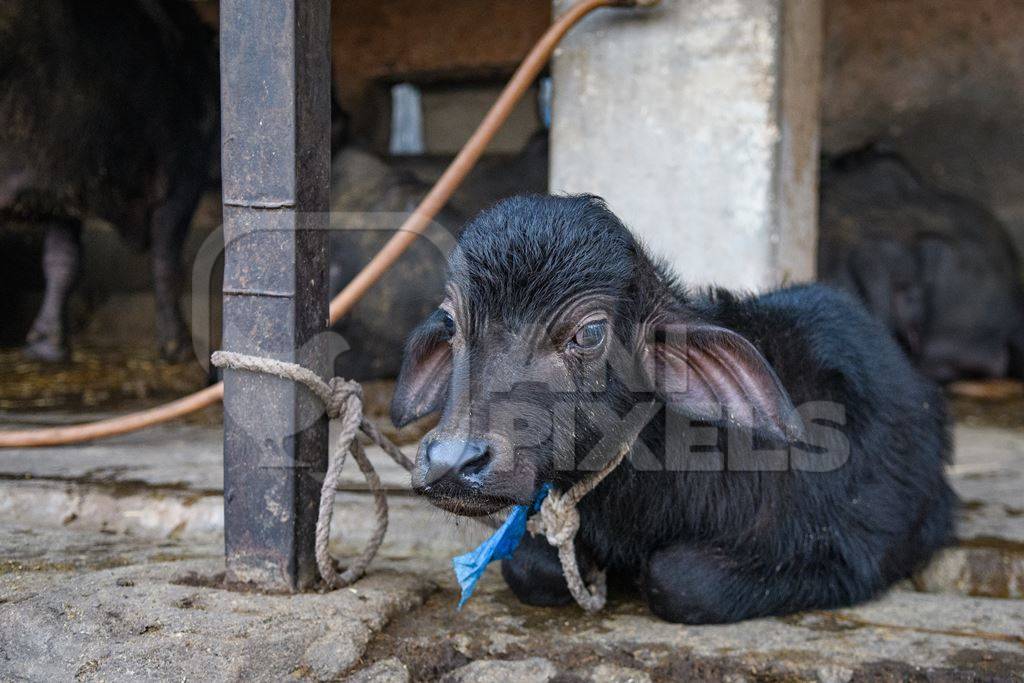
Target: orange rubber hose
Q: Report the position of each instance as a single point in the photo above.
(413, 226)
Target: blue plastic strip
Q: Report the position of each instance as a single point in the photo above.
(499, 545)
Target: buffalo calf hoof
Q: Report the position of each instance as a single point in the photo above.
(534, 574)
(534, 591)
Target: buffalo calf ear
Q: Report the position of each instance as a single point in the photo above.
(426, 372)
(713, 374)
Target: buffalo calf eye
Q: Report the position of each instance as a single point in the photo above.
(591, 335)
(448, 322)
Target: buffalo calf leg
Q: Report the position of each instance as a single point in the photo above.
(535, 575)
(62, 257)
(694, 585)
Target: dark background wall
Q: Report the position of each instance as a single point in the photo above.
(942, 81)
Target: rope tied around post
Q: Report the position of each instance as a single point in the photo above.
(558, 518)
(343, 401)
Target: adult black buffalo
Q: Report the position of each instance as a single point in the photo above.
(107, 110)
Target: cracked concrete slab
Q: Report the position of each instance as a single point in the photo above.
(900, 636)
(102, 606)
(417, 528)
(988, 475)
(153, 621)
(180, 456)
(988, 471)
(95, 546)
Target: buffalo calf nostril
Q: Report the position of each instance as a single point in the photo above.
(451, 457)
(476, 465)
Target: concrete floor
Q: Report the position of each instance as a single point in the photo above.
(110, 553)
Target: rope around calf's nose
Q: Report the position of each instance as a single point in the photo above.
(558, 518)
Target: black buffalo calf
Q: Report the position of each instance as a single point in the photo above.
(789, 457)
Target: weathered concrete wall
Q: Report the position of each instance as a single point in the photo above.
(698, 122)
(940, 81)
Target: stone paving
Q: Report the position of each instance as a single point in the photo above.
(133, 614)
(111, 554)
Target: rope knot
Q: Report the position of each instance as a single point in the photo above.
(343, 401)
(344, 397)
(558, 519)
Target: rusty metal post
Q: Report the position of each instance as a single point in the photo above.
(275, 71)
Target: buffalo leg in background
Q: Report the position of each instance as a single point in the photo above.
(169, 228)
(62, 262)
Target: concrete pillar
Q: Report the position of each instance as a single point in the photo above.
(698, 122)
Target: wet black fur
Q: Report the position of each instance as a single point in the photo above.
(720, 546)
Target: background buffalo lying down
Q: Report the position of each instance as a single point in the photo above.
(938, 269)
(546, 294)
